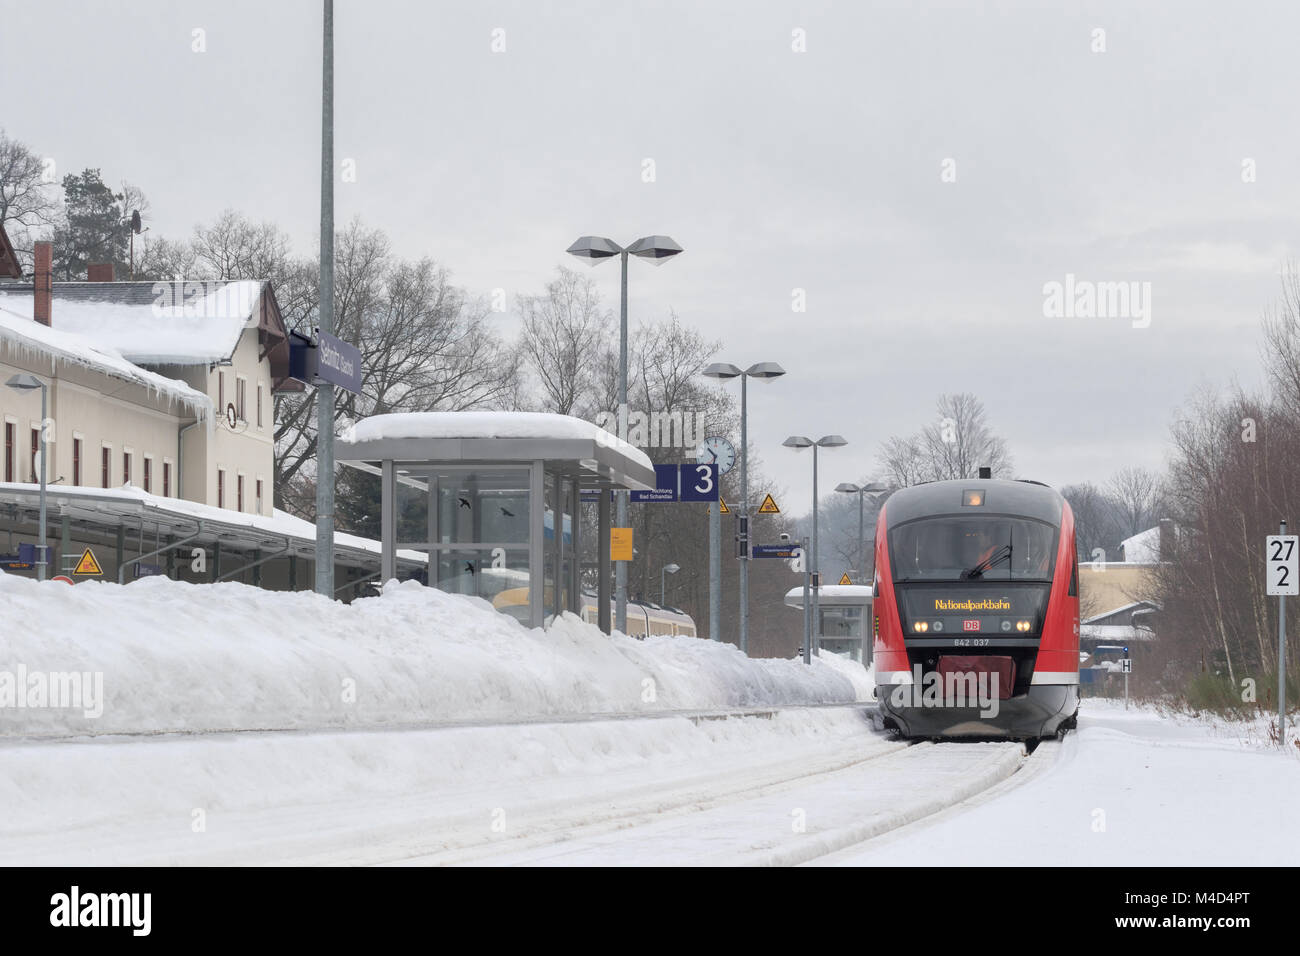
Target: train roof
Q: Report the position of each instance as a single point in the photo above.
(1001, 496)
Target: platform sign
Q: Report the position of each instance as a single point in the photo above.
(337, 362)
(688, 482)
(699, 482)
(1283, 565)
(1282, 577)
(148, 570)
(775, 551)
(87, 564)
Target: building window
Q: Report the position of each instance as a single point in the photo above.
(241, 407)
(167, 479)
(221, 488)
(105, 463)
(239, 493)
(221, 393)
(259, 404)
(148, 474)
(76, 461)
(10, 451)
(259, 496)
(126, 467)
(36, 451)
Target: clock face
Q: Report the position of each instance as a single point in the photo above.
(717, 451)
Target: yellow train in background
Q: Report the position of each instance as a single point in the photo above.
(642, 619)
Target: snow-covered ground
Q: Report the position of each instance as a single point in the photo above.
(1131, 788)
(425, 728)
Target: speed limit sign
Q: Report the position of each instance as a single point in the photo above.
(1283, 574)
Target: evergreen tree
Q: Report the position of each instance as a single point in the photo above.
(94, 227)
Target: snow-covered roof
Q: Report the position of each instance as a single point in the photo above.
(33, 340)
(156, 323)
(832, 595)
(1142, 548)
(1115, 632)
(486, 425)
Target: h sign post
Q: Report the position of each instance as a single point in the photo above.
(1282, 577)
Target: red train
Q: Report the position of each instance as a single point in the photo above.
(976, 610)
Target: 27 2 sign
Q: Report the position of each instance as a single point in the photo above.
(1283, 571)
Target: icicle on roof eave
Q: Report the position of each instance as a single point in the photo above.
(190, 399)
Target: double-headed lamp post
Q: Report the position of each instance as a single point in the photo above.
(25, 383)
(658, 250)
(663, 587)
(861, 491)
(764, 372)
(798, 442)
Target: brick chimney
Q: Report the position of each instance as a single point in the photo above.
(44, 283)
(99, 272)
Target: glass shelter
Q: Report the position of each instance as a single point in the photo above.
(494, 501)
(845, 613)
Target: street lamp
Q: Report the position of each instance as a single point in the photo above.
(663, 592)
(850, 488)
(658, 250)
(764, 372)
(798, 442)
(25, 383)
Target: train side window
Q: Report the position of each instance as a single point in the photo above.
(1074, 578)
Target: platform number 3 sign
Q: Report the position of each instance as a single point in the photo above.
(1283, 564)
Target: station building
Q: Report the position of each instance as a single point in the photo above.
(159, 416)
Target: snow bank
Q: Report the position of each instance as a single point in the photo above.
(193, 658)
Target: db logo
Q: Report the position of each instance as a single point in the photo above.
(970, 625)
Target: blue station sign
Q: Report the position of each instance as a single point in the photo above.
(688, 482)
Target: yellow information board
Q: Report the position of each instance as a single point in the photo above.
(620, 544)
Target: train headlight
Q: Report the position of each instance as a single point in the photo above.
(920, 626)
(1023, 625)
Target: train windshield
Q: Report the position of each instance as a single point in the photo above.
(974, 548)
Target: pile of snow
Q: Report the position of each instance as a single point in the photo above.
(178, 657)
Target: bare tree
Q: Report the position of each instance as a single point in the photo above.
(956, 445)
(1138, 496)
(1096, 525)
(424, 345)
(561, 331)
(28, 203)
(234, 247)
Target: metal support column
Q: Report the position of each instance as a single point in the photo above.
(536, 543)
(388, 523)
(715, 570)
(602, 562)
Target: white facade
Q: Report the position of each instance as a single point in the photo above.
(160, 428)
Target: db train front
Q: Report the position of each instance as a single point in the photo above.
(976, 612)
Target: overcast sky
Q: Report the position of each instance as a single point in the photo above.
(777, 170)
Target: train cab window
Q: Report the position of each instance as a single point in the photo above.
(1074, 578)
(965, 548)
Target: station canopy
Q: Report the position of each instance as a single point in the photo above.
(494, 501)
